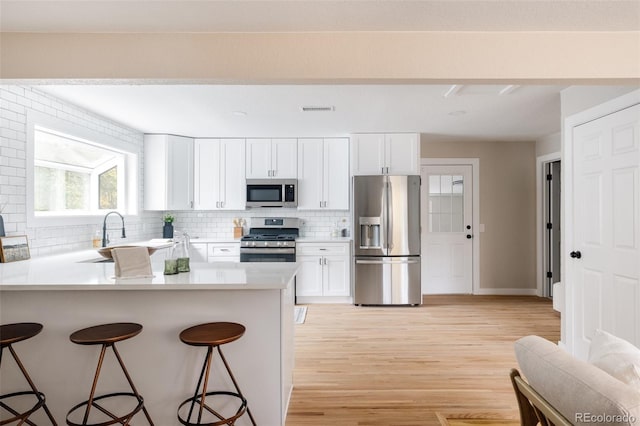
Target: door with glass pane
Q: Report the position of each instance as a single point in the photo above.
(447, 234)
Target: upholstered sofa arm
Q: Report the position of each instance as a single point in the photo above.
(581, 392)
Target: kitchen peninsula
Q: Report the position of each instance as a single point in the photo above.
(65, 295)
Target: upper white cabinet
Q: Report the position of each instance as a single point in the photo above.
(219, 182)
(271, 158)
(168, 172)
(323, 174)
(388, 154)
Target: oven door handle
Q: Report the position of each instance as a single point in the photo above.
(252, 250)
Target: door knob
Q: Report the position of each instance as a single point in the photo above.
(575, 254)
(469, 236)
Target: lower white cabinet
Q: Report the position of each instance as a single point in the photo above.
(324, 274)
(215, 252)
(224, 252)
(198, 252)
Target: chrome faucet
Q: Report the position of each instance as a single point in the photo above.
(105, 240)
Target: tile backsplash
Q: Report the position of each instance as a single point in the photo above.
(216, 224)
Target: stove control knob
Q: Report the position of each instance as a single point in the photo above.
(253, 244)
(266, 244)
(279, 243)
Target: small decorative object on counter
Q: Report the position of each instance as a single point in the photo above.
(238, 227)
(171, 266)
(167, 229)
(180, 251)
(97, 239)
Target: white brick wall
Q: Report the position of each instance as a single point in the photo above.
(15, 102)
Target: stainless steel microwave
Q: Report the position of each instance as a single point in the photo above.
(272, 193)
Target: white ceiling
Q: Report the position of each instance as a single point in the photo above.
(318, 15)
(479, 111)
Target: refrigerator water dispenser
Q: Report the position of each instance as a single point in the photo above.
(369, 232)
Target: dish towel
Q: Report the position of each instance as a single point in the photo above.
(132, 262)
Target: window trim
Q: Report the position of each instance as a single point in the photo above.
(129, 164)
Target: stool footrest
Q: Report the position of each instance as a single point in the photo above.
(115, 418)
(25, 415)
(195, 401)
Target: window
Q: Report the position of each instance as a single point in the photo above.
(75, 176)
(446, 208)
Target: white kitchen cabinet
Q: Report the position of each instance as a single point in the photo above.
(324, 274)
(215, 252)
(223, 252)
(219, 182)
(387, 154)
(198, 252)
(323, 174)
(168, 172)
(272, 158)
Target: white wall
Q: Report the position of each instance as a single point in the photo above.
(549, 144)
(15, 103)
(575, 99)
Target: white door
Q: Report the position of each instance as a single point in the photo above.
(284, 158)
(336, 174)
(206, 174)
(401, 154)
(310, 174)
(232, 174)
(447, 234)
(258, 164)
(367, 154)
(605, 251)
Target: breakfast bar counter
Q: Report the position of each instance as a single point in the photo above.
(66, 296)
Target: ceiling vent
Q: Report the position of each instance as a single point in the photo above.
(318, 108)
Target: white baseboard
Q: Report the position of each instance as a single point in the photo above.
(506, 292)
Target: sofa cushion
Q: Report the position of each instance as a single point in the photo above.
(581, 392)
(617, 357)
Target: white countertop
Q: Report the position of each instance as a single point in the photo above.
(67, 272)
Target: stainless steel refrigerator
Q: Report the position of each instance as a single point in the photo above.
(386, 222)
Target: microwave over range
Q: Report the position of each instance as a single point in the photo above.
(272, 193)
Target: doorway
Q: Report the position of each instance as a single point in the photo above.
(447, 221)
(551, 225)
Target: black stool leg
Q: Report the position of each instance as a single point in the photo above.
(133, 388)
(233, 379)
(33, 386)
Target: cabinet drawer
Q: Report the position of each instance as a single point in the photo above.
(322, 249)
(224, 250)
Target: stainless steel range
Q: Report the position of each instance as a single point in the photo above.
(270, 239)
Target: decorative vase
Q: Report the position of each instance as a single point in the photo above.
(1, 226)
(167, 230)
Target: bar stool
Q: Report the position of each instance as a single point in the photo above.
(213, 335)
(107, 335)
(10, 334)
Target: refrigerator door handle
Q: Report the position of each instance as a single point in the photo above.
(389, 216)
(386, 262)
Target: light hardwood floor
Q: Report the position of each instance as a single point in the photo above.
(360, 366)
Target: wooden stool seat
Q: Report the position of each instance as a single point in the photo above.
(10, 334)
(212, 334)
(13, 333)
(106, 334)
